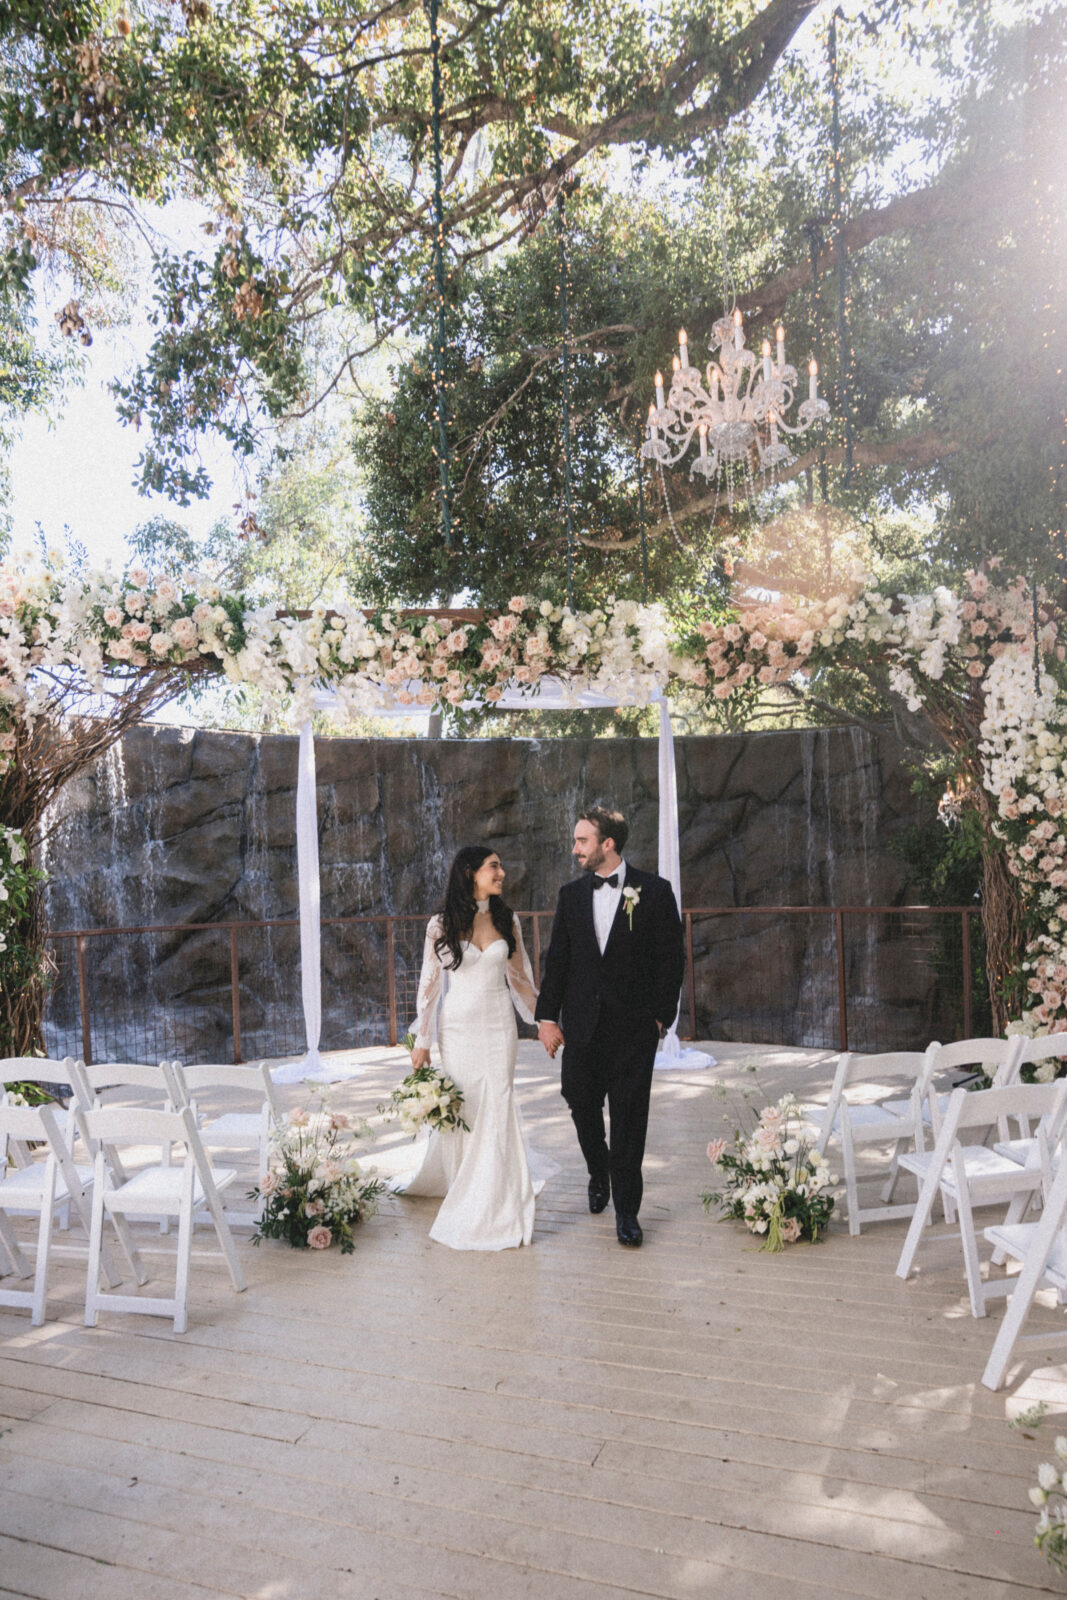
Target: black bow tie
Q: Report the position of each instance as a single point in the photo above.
(612, 882)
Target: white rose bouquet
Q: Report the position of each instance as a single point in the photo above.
(773, 1181)
(426, 1098)
(315, 1192)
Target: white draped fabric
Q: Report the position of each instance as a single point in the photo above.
(311, 1067)
(550, 693)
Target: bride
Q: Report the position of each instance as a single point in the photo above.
(474, 966)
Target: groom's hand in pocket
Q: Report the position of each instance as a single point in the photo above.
(551, 1036)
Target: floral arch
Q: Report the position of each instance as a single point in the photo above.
(85, 654)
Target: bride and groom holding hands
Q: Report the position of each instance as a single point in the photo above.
(610, 985)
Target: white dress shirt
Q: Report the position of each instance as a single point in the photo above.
(605, 905)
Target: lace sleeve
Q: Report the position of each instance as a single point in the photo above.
(429, 990)
(520, 978)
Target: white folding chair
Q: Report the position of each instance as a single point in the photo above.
(854, 1121)
(175, 1189)
(1035, 1051)
(969, 1175)
(232, 1129)
(38, 1189)
(63, 1075)
(109, 1083)
(1042, 1248)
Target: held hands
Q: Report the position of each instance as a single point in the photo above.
(419, 1058)
(551, 1036)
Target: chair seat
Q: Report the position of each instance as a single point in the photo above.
(23, 1189)
(1015, 1239)
(1024, 1152)
(901, 1108)
(983, 1166)
(235, 1129)
(158, 1189)
(865, 1120)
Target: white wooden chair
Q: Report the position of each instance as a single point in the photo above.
(176, 1189)
(40, 1189)
(232, 1129)
(1003, 1055)
(1035, 1051)
(969, 1175)
(855, 1121)
(110, 1083)
(1042, 1248)
(62, 1075)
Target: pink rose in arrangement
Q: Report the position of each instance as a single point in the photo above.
(715, 1150)
(975, 669)
(493, 694)
(757, 640)
(455, 696)
(791, 1230)
(732, 632)
(979, 585)
(517, 603)
(320, 1238)
(112, 616)
(121, 649)
(426, 696)
(723, 691)
(298, 1117)
(457, 641)
(269, 1182)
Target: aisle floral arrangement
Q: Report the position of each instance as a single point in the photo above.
(1048, 1495)
(773, 1181)
(426, 1098)
(314, 1192)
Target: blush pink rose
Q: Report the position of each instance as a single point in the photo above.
(320, 1238)
(715, 1150)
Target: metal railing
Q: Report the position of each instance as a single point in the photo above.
(834, 977)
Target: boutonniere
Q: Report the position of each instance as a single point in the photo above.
(630, 898)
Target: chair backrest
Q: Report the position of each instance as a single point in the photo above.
(41, 1070)
(1046, 1048)
(252, 1080)
(134, 1125)
(1004, 1054)
(911, 1064)
(21, 1125)
(102, 1076)
(982, 1108)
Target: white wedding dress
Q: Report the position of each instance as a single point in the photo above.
(484, 1175)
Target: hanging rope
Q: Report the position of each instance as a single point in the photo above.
(561, 218)
(839, 226)
(641, 516)
(441, 450)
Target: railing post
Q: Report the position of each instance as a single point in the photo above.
(83, 1001)
(235, 994)
(390, 960)
(842, 1002)
(691, 975)
(968, 1027)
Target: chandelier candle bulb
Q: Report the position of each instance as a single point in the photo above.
(676, 363)
(703, 431)
(767, 359)
(737, 330)
(683, 347)
(781, 347)
(813, 380)
(659, 390)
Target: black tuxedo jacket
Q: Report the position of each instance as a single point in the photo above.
(639, 974)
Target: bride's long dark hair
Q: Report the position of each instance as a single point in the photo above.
(459, 907)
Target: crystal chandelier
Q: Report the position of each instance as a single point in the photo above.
(739, 419)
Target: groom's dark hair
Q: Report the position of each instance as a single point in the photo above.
(609, 824)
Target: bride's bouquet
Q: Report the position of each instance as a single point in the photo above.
(426, 1098)
(773, 1181)
(314, 1191)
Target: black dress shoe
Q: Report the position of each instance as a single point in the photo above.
(599, 1195)
(628, 1229)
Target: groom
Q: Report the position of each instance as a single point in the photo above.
(611, 980)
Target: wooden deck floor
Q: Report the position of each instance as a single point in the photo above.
(569, 1422)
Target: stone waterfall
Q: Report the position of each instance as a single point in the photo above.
(182, 826)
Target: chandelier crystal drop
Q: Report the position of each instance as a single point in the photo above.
(739, 418)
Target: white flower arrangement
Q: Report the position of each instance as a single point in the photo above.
(1048, 1496)
(773, 1180)
(315, 1192)
(426, 1098)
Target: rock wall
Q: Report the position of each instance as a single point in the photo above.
(184, 826)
